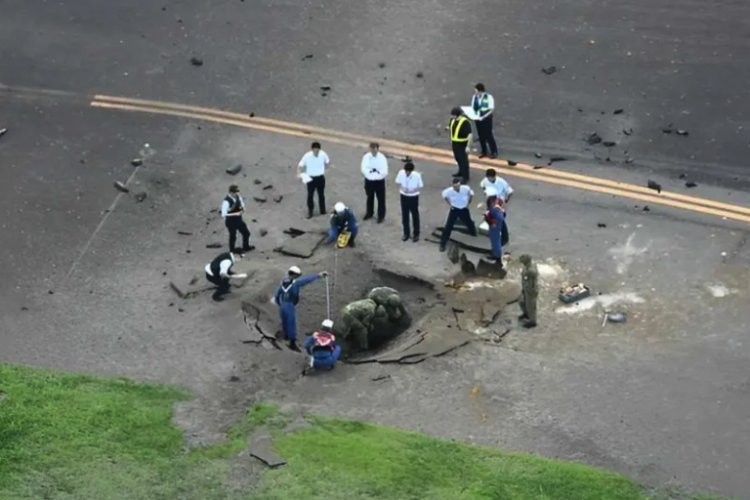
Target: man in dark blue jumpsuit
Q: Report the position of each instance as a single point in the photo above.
(287, 298)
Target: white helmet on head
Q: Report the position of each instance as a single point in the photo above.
(295, 270)
(327, 323)
(339, 207)
(490, 192)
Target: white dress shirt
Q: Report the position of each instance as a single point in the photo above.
(225, 207)
(374, 167)
(410, 184)
(501, 186)
(460, 198)
(314, 166)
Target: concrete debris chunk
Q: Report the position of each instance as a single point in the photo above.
(263, 232)
(184, 233)
(601, 224)
(260, 199)
(270, 186)
(307, 56)
(654, 185)
(618, 111)
(420, 74)
(609, 144)
(646, 208)
(682, 132)
(594, 139)
(136, 162)
(121, 187)
(214, 245)
(196, 61)
(690, 184)
(3, 131)
(325, 88)
(538, 155)
(234, 170)
(257, 182)
(139, 197)
(278, 198)
(627, 131)
(512, 163)
(381, 65)
(549, 70)
(263, 451)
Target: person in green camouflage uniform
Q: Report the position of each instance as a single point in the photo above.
(529, 291)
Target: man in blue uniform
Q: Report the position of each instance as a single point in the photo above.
(287, 298)
(342, 219)
(322, 347)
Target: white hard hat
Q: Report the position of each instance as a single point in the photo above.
(295, 270)
(327, 323)
(490, 191)
(339, 207)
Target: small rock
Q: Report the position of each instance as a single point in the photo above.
(188, 251)
(307, 56)
(24, 308)
(594, 139)
(260, 199)
(184, 233)
(682, 132)
(234, 378)
(171, 304)
(627, 131)
(121, 187)
(682, 176)
(420, 74)
(512, 163)
(278, 198)
(3, 131)
(690, 184)
(601, 224)
(163, 273)
(549, 70)
(629, 160)
(609, 144)
(234, 170)
(377, 378)
(139, 197)
(618, 111)
(270, 186)
(668, 129)
(50, 292)
(538, 155)
(381, 65)
(213, 245)
(263, 232)
(181, 309)
(654, 185)
(136, 162)
(195, 61)
(617, 317)
(257, 182)
(325, 88)
(646, 209)
(251, 115)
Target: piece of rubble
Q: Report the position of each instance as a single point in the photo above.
(234, 378)
(690, 184)
(381, 65)
(646, 208)
(302, 246)
(270, 186)
(380, 377)
(654, 185)
(308, 56)
(3, 131)
(627, 131)
(549, 70)
(184, 233)
(615, 317)
(234, 170)
(537, 167)
(618, 111)
(263, 232)
(512, 163)
(251, 115)
(594, 139)
(214, 245)
(682, 132)
(260, 199)
(601, 224)
(420, 74)
(278, 198)
(294, 232)
(609, 144)
(556, 159)
(538, 155)
(325, 88)
(139, 197)
(136, 162)
(196, 61)
(262, 450)
(682, 176)
(667, 130)
(257, 182)
(121, 187)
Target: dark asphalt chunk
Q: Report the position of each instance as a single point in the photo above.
(278, 198)
(609, 144)
(184, 233)
(214, 245)
(594, 139)
(260, 199)
(682, 132)
(195, 61)
(538, 155)
(690, 184)
(234, 170)
(420, 74)
(257, 182)
(618, 111)
(325, 88)
(601, 224)
(121, 187)
(307, 56)
(136, 162)
(556, 159)
(549, 70)
(139, 197)
(627, 131)
(654, 185)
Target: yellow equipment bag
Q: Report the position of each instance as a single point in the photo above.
(343, 239)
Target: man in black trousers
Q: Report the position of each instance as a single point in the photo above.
(483, 105)
(232, 209)
(312, 169)
(460, 130)
(375, 170)
(458, 197)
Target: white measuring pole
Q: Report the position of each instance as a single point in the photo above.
(328, 299)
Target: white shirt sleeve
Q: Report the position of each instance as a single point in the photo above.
(224, 268)
(447, 193)
(384, 161)
(400, 177)
(419, 180)
(326, 160)
(303, 161)
(242, 202)
(365, 164)
(471, 192)
(484, 183)
(224, 209)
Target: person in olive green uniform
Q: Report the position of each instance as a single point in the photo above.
(529, 291)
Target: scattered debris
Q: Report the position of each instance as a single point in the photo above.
(605, 300)
(325, 88)
(278, 198)
(308, 56)
(214, 245)
(690, 184)
(294, 232)
(654, 185)
(377, 378)
(270, 186)
(627, 131)
(512, 163)
(262, 450)
(234, 170)
(139, 197)
(615, 317)
(549, 70)
(234, 378)
(556, 158)
(263, 232)
(259, 199)
(601, 224)
(719, 290)
(381, 65)
(420, 74)
(594, 139)
(618, 111)
(538, 155)
(121, 187)
(537, 167)
(257, 182)
(628, 159)
(682, 176)
(609, 144)
(646, 208)
(195, 61)
(682, 132)
(136, 162)
(184, 233)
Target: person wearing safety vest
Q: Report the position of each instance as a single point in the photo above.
(460, 130)
(495, 218)
(483, 105)
(287, 298)
(342, 219)
(322, 347)
(219, 272)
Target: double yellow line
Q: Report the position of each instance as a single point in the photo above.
(525, 171)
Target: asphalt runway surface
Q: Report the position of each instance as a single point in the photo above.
(83, 268)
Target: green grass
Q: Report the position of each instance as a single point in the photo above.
(66, 436)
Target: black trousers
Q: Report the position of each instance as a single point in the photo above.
(222, 285)
(375, 189)
(234, 224)
(486, 136)
(410, 210)
(462, 160)
(457, 213)
(318, 183)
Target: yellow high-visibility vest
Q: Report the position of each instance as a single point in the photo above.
(456, 127)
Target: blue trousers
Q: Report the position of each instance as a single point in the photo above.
(496, 241)
(328, 361)
(333, 233)
(288, 320)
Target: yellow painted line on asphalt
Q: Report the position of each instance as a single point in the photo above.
(603, 186)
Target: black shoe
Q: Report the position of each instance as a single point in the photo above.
(322, 211)
(415, 238)
(529, 324)
(482, 155)
(522, 317)
(442, 248)
(367, 217)
(380, 220)
(405, 237)
(493, 156)
(293, 346)
(310, 214)
(352, 244)
(248, 248)
(456, 174)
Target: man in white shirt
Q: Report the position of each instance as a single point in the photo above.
(375, 169)
(484, 106)
(232, 209)
(500, 185)
(410, 182)
(312, 168)
(458, 197)
(219, 272)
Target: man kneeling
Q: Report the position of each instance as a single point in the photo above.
(322, 347)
